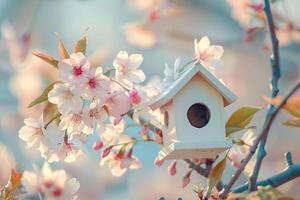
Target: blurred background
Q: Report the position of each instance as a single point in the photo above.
(246, 71)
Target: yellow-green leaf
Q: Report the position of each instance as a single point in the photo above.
(63, 52)
(47, 58)
(215, 174)
(50, 114)
(295, 122)
(240, 119)
(81, 45)
(239, 142)
(44, 96)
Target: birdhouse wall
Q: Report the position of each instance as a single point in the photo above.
(198, 90)
(169, 128)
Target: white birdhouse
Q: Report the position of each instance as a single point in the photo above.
(193, 109)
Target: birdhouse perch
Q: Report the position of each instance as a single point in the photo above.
(193, 109)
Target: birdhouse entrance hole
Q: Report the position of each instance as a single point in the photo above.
(198, 115)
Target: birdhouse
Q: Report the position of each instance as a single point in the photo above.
(193, 110)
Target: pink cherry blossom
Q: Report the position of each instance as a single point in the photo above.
(208, 55)
(110, 133)
(118, 104)
(74, 69)
(96, 85)
(134, 97)
(33, 134)
(55, 185)
(126, 67)
(68, 152)
(73, 122)
(66, 97)
(172, 168)
(94, 113)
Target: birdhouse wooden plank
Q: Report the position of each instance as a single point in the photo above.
(193, 109)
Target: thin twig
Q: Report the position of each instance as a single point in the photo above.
(253, 148)
(291, 172)
(203, 171)
(275, 65)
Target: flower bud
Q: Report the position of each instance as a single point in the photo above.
(172, 168)
(106, 151)
(186, 179)
(97, 145)
(158, 161)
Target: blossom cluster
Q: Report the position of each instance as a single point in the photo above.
(250, 14)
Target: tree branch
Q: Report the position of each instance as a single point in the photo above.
(263, 133)
(291, 172)
(275, 65)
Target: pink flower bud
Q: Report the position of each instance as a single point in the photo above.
(134, 97)
(158, 161)
(186, 179)
(97, 145)
(172, 168)
(106, 151)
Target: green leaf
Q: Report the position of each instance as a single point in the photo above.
(240, 119)
(295, 122)
(62, 50)
(50, 114)
(47, 58)
(215, 174)
(81, 45)
(44, 96)
(239, 142)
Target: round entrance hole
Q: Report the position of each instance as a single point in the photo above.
(198, 115)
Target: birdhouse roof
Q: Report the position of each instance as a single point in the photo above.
(171, 91)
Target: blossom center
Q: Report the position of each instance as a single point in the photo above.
(93, 82)
(77, 70)
(76, 119)
(57, 192)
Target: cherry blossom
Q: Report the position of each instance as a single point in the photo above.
(126, 67)
(66, 97)
(110, 133)
(73, 122)
(171, 75)
(33, 134)
(54, 185)
(117, 104)
(249, 13)
(68, 152)
(7, 165)
(95, 113)
(238, 153)
(74, 69)
(140, 34)
(96, 85)
(208, 55)
(97, 145)
(118, 163)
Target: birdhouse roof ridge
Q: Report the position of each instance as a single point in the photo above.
(185, 77)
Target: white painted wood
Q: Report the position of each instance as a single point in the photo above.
(181, 139)
(168, 94)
